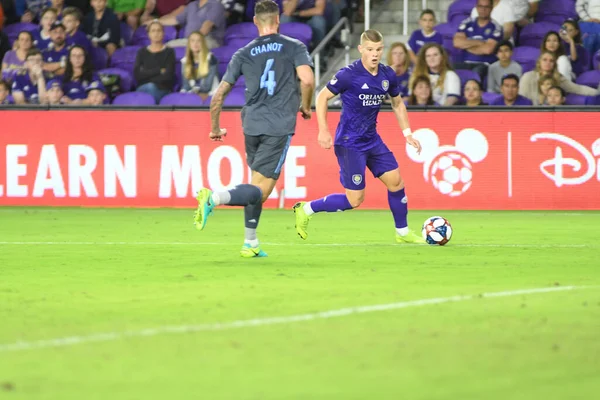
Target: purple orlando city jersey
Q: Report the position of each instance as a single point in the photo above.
(362, 94)
(492, 30)
(22, 83)
(418, 39)
(76, 89)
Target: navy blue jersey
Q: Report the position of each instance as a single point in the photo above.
(362, 94)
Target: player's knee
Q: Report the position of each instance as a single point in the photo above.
(355, 199)
(396, 185)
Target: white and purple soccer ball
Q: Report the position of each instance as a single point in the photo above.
(437, 230)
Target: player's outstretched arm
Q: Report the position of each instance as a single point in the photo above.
(324, 137)
(307, 88)
(216, 105)
(402, 117)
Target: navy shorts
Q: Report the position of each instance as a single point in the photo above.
(353, 164)
(266, 154)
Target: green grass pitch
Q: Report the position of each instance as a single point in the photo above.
(114, 280)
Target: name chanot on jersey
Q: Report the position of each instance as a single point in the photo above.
(266, 48)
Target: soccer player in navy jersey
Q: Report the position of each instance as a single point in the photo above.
(362, 85)
(272, 64)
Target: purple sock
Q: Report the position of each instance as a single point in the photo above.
(399, 207)
(331, 203)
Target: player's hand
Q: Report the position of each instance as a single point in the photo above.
(306, 114)
(414, 143)
(325, 139)
(218, 136)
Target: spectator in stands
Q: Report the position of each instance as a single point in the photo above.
(206, 16)
(58, 5)
(128, 10)
(14, 60)
(198, 67)
(154, 68)
(4, 93)
(578, 55)
(420, 92)
(10, 12)
(504, 66)
(83, 5)
(473, 91)
(511, 13)
(235, 10)
(546, 65)
(478, 38)
(426, 34)
(55, 56)
(161, 8)
(4, 44)
(510, 93)
(79, 75)
(589, 14)
(54, 93)
(29, 86)
(433, 61)
(72, 20)
(96, 94)
(399, 60)
(31, 10)
(544, 84)
(102, 27)
(41, 37)
(311, 12)
(553, 44)
(556, 96)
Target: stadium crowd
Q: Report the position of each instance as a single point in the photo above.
(173, 52)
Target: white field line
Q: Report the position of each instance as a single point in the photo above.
(248, 323)
(299, 244)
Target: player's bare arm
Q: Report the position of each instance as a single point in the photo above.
(402, 117)
(307, 88)
(325, 140)
(216, 105)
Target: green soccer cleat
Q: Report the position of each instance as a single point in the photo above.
(250, 252)
(204, 208)
(410, 237)
(301, 220)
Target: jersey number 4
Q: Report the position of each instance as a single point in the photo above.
(267, 79)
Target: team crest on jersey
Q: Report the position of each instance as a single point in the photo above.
(357, 179)
(385, 84)
(333, 80)
(488, 31)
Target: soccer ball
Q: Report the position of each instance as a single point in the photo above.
(451, 173)
(437, 230)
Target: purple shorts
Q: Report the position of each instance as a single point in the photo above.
(353, 163)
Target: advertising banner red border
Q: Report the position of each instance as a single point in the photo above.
(471, 160)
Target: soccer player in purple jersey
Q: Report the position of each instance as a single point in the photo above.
(362, 85)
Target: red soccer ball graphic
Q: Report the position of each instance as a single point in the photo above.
(451, 173)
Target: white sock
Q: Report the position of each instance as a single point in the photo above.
(252, 242)
(402, 231)
(214, 198)
(308, 209)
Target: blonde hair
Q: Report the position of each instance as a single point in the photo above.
(421, 69)
(406, 59)
(545, 78)
(538, 65)
(371, 35)
(190, 71)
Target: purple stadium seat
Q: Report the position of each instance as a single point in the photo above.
(526, 56)
(206, 102)
(99, 57)
(126, 33)
(126, 81)
(447, 31)
(13, 30)
(241, 82)
(181, 99)
(242, 30)
(593, 100)
(596, 60)
(124, 58)
(239, 42)
(179, 53)
(235, 98)
(533, 34)
(590, 78)
(134, 99)
(465, 75)
(223, 55)
(140, 36)
(460, 10)
(297, 30)
(488, 97)
(576, 100)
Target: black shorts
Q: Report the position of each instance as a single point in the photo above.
(266, 154)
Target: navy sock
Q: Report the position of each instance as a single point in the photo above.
(399, 207)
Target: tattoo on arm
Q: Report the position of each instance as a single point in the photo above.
(216, 104)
